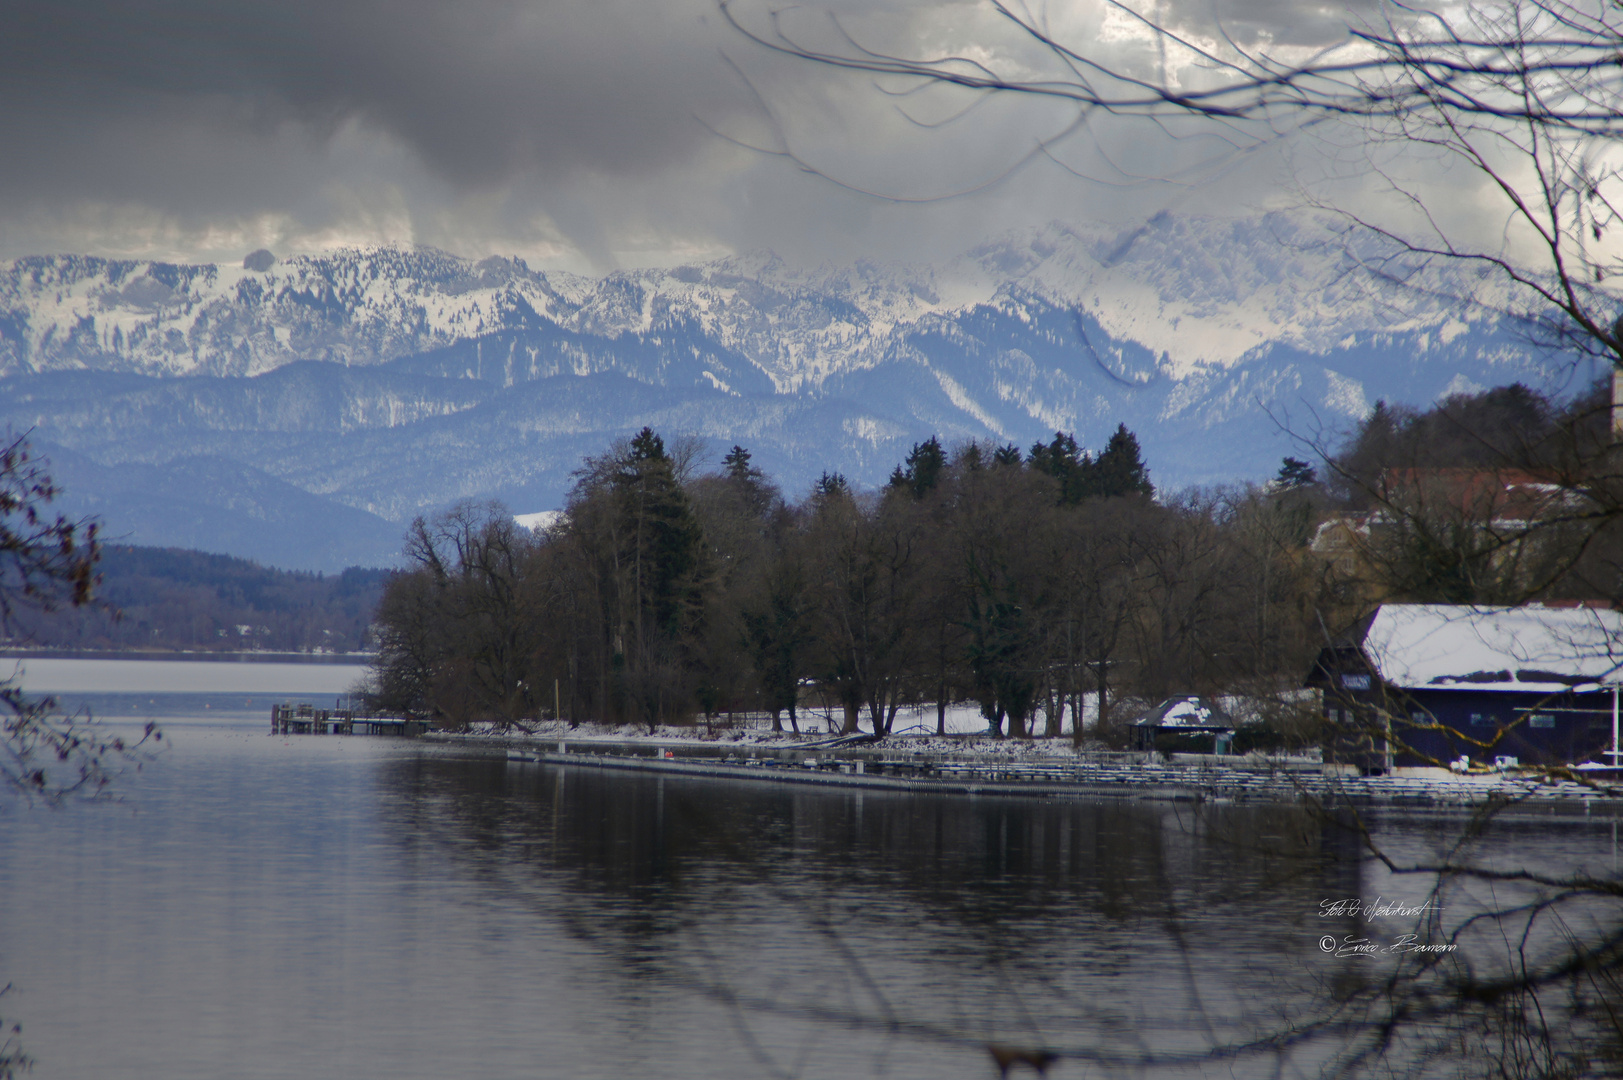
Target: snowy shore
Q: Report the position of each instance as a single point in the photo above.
(979, 764)
(730, 740)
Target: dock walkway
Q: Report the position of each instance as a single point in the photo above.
(289, 719)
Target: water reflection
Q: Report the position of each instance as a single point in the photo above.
(270, 907)
(852, 918)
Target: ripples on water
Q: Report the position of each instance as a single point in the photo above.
(330, 907)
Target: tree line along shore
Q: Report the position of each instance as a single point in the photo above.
(1031, 582)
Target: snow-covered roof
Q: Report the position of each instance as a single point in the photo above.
(541, 519)
(1189, 712)
(1530, 649)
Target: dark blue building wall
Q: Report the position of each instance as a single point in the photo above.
(1536, 728)
(1442, 725)
(1476, 723)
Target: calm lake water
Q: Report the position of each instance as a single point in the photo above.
(255, 906)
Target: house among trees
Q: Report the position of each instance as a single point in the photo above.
(1428, 684)
(1458, 534)
(1181, 717)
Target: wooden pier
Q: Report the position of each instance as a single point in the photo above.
(289, 719)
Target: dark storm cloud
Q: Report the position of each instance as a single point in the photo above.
(194, 127)
(478, 88)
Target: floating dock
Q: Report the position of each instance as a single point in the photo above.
(289, 719)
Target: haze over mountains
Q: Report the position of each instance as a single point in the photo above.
(300, 412)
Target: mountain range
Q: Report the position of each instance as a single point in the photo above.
(299, 412)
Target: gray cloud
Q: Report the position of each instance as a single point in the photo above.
(1277, 22)
(479, 87)
(575, 129)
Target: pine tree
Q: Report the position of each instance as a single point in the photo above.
(923, 468)
(1067, 463)
(737, 464)
(831, 485)
(668, 544)
(1120, 470)
(1295, 473)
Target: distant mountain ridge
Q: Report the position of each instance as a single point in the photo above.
(1245, 283)
(388, 382)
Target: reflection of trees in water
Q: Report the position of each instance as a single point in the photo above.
(929, 930)
(1116, 929)
(619, 836)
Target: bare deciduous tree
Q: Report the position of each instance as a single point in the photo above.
(1524, 94)
(47, 562)
(1489, 132)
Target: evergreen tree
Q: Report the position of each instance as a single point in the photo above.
(646, 446)
(1071, 466)
(737, 464)
(1067, 463)
(1294, 473)
(646, 575)
(749, 483)
(922, 471)
(830, 485)
(666, 542)
(1120, 470)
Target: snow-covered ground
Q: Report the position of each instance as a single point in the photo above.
(914, 732)
(911, 720)
(963, 718)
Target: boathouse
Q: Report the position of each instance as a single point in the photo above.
(1431, 684)
(1180, 717)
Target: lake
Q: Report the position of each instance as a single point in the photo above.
(255, 906)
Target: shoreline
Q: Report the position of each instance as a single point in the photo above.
(13, 652)
(903, 765)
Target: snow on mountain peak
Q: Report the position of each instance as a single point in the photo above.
(1196, 293)
(447, 378)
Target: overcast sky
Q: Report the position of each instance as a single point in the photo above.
(580, 134)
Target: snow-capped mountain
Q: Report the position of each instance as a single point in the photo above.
(1194, 292)
(390, 382)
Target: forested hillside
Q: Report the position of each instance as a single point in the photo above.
(327, 400)
(168, 599)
